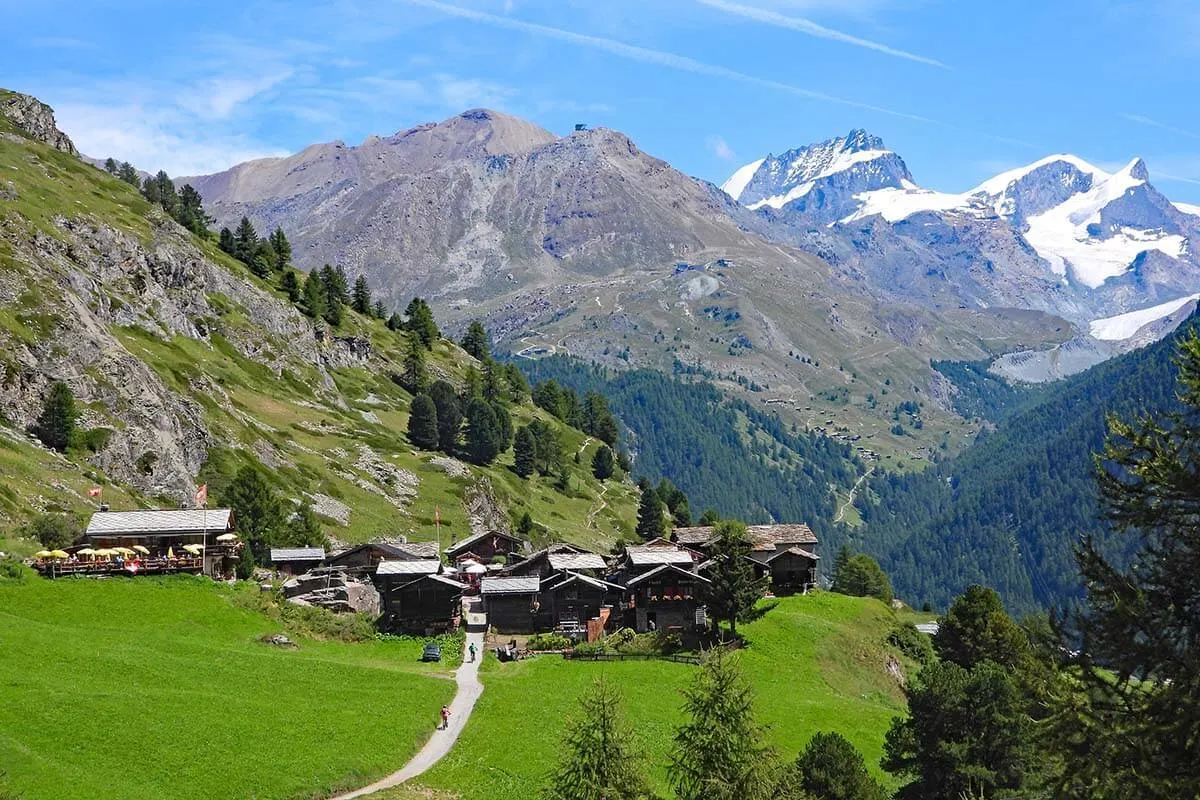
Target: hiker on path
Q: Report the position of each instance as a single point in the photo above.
(471, 650)
(445, 717)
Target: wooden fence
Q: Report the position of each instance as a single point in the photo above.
(678, 659)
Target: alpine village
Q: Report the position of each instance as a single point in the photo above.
(481, 461)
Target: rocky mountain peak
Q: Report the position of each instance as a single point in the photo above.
(859, 140)
(35, 119)
(1137, 170)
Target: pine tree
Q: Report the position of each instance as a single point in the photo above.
(483, 434)
(603, 463)
(423, 423)
(719, 752)
(361, 296)
(262, 260)
(504, 425)
(416, 374)
(159, 189)
(129, 174)
(599, 759)
(843, 557)
(651, 523)
(734, 588)
(259, 511)
(56, 424)
(395, 322)
(226, 242)
(475, 341)
(830, 768)
(282, 248)
(525, 452)
(290, 284)
(549, 447)
(337, 293)
(1129, 727)
(190, 211)
(421, 322)
(449, 415)
(313, 296)
(110, 166)
(861, 576)
(245, 239)
(379, 310)
(303, 529)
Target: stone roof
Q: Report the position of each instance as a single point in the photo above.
(642, 557)
(762, 537)
(297, 554)
(663, 569)
(149, 523)
(574, 561)
(406, 567)
(795, 551)
(559, 581)
(497, 586)
(418, 549)
(466, 544)
(693, 536)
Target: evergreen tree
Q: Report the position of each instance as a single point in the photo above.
(475, 341)
(472, 384)
(416, 374)
(303, 529)
(313, 296)
(598, 421)
(483, 433)
(504, 425)
(337, 293)
(226, 242)
(282, 249)
(423, 423)
(379, 310)
(421, 322)
(525, 452)
(651, 522)
(830, 768)
(524, 525)
(262, 259)
(290, 284)
(259, 511)
(599, 759)
(861, 576)
(449, 415)
(128, 173)
(495, 388)
(190, 212)
(518, 387)
(110, 166)
(734, 589)
(709, 517)
(676, 502)
(839, 564)
(719, 752)
(977, 628)
(395, 322)
(361, 296)
(56, 424)
(245, 239)
(603, 463)
(1129, 728)
(623, 461)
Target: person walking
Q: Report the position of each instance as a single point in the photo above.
(445, 717)
(471, 650)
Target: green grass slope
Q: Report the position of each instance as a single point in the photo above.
(145, 689)
(817, 663)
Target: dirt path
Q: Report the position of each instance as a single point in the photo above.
(591, 517)
(439, 744)
(584, 446)
(841, 512)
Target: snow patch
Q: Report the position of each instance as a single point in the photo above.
(998, 184)
(1188, 208)
(1122, 326)
(738, 180)
(897, 204)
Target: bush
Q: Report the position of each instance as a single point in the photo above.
(596, 648)
(53, 530)
(548, 641)
(12, 570)
(911, 642)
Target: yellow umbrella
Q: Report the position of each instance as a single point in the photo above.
(59, 554)
(87, 551)
(170, 552)
(226, 537)
(141, 549)
(42, 554)
(125, 551)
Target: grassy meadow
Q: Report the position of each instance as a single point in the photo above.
(817, 663)
(154, 688)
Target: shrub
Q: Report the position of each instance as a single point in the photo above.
(911, 642)
(548, 641)
(92, 440)
(596, 648)
(12, 570)
(53, 530)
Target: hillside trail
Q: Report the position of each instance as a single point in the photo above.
(584, 446)
(841, 512)
(469, 690)
(591, 517)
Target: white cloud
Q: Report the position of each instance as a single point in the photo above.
(649, 56)
(810, 28)
(1141, 120)
(720, 148)
(216, 98)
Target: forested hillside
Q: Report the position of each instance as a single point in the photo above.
(1007, 512)
(724, 454)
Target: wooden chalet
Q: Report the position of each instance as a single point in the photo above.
(296, 560)
(787, 553)
(576, 605)
(364, 558)
(512, 604)
(666, 597)
(425, 604)
(487, 547)
(557, 558)
(163, 534)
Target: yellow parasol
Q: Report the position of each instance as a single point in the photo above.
(125, 551)
(226, 537)
(42, 554)
(141, 549)
(87, 551)
(59, 554)
(170, 552)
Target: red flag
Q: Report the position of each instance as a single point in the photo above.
(202, 494)
(94, 491)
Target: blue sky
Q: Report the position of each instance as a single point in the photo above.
(960, 89)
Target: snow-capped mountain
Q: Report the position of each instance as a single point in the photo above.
(820, 180)
(1058, 235)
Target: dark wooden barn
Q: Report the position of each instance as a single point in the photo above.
(513, 605)
(487, 548)
(427, 605)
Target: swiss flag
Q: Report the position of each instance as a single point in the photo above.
(94, 491)
(202, 494)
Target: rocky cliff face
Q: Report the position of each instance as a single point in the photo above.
(35, 119)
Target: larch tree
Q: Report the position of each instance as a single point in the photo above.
(525, 452)
(651, 521)
(56, 424)
(475, 341)
(599, 759)
(361, 296)
(423, 423)
(735, 588)
(416, 373)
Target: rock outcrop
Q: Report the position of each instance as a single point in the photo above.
(36, 119)
(333, 589)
